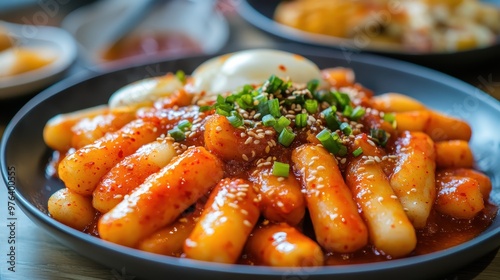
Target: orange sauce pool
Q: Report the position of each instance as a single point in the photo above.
(149, 44)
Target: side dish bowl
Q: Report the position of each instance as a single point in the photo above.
(24, 151)
(260, 13)
(48, 38)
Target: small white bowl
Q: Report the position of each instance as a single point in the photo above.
(46, 39)
(92, 26)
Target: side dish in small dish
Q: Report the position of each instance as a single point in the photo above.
(260, 157)
(423, 26)
(32, 57)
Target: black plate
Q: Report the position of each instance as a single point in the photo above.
(23, 148)
(260, 14)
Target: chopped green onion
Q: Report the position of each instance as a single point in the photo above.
(286, 137)
(347, 111)
(346, 128)
(331, 118)
(390, 118)
(268, 120)
(342, 150)
(342, 99)
(325, 96)
(274, 84)
(181, 76)
(327, 141)
(331, 142)
(235, 119)
(312, 85)
(357, 113)
(357, 152)
(177, 134)
(281, 123)
(245, 101)
(280, 169)
(311, 106)
(184, 124)
(274, 107)
(380, 136)
(221, 112)
(206, 108)
(301, 120)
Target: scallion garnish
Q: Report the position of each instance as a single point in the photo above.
(331, 118)
(332, 145)
(347, 110)
(221, 112)
(281, 123)
(390, 118)
(280, 169)
(301, 120)
(342, 99)
(184, 124)
(312, 85)
(235, 119)
(380, 136)
(357, 152)
(268, 120)
(274, 84)
(274, 107)
(357, 113)
(346, 128)
(181, 76)
(177, 134)
(286, 137)
(311, 106)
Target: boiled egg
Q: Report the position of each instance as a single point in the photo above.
(229, 72)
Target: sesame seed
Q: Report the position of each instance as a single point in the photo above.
(218, 128)
(233, 205)
(370, 176)
(245, 157)
(241, 194)
(371, 142)
(310, 178)
(380, 199)
(280, 204)
(249, 140)
(321, 167)
(244, 212)
(280, 179)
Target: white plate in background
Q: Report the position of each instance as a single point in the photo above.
(47, 39)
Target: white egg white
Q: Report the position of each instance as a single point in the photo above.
(228, 72)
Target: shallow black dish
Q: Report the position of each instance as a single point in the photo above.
(23, 148)
(260, 13)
